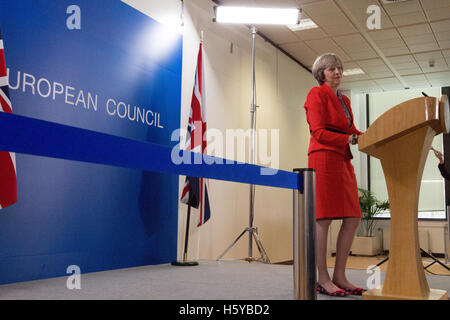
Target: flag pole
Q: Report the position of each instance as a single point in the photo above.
(185, 262)
(186, 237)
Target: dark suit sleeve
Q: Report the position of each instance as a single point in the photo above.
(444, 171)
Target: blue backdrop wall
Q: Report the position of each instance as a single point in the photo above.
(99, 65)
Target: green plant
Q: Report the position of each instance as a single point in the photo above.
(370, 208)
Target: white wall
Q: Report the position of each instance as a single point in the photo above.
(281, 86)
(431, 198)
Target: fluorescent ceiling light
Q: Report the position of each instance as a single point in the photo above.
(352, 72)
(252, 15)
(304, 24)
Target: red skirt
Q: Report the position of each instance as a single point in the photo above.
(336, 188)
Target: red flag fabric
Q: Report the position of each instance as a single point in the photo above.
(195, 190)
(8, 180)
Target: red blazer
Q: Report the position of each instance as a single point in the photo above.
(328, 124)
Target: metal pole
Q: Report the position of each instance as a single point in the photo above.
(304, 237)
(185, 262)
(186, 236)
(252, 231)
(252, 146)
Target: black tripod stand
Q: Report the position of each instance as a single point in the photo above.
(435, 260)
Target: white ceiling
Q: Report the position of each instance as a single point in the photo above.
(413, 33)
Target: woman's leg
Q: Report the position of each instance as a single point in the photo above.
(343, 245)
(324, 279)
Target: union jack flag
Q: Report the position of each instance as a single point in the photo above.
(195, 190)
(8, 180)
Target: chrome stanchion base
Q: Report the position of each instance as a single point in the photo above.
(254, 233)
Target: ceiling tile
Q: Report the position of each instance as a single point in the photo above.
(376, 75)
(405, 65)
(301, 52)
(320, 45)
(327, 45)
(428, 55)
(438, 14)
(337, 27)
(322, 8)
(439, 78)
(417, 81)
(442, 67)
(360, 4)
(444, 44)
(358, 9)
(390, 43)
(353, 42)
(419, 77)
(414, 30)
(402, 59)
(409, 71)
(441, 26)
(389, 84)
(442, 36)
(437, 63)
(388, 81)
(438, 75)
(384, 34)
(402, 7)
(357, 77)
(371, 63)
(306, 1)
(440, 82)
(408, 18)
(373, 69)
(361, 84)
(329, 17)
(424, 47)
(311, 34)
(350, 65)
(395, 51)
(359, 55)
(419, 39)
(433, 4)
(278, 34)
(447, 59)
(280, 3)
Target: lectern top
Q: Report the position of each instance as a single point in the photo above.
(404, 118)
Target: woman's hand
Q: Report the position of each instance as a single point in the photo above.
(438, 155)
(353, 139)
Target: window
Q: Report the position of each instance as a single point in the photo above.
(432, 195)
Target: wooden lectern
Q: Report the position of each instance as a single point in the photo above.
(401, 138)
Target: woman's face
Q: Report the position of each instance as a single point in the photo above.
(333, 76)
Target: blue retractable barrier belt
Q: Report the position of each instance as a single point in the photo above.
(42, 138)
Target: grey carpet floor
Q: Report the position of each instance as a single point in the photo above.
(211, 280)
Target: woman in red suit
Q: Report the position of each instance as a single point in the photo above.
(330, 120)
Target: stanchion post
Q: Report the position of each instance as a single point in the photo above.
(304, 257)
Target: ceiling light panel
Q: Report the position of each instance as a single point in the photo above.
(353, 72)
(305, 24)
